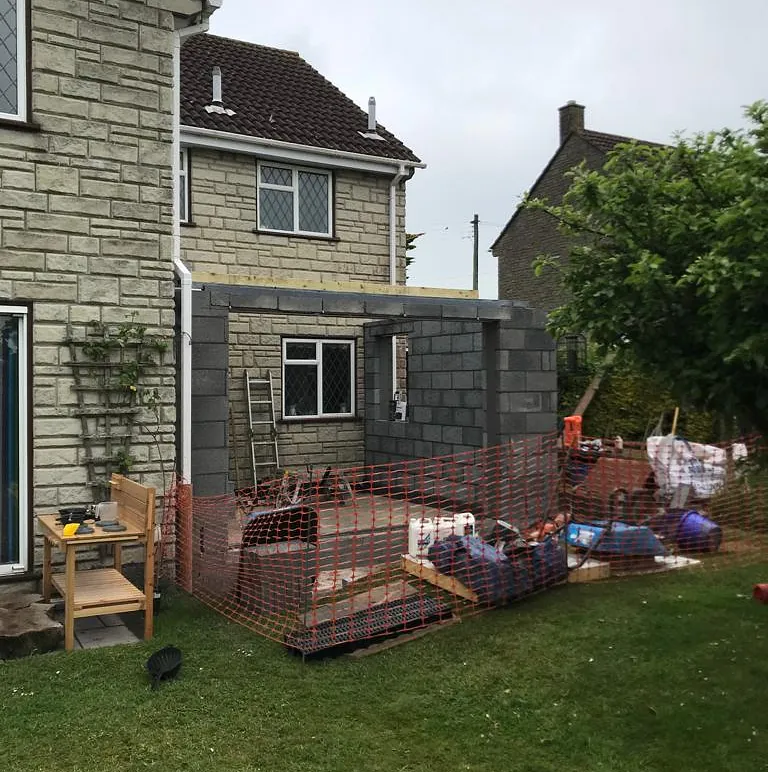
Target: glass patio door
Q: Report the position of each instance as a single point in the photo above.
(14, 494)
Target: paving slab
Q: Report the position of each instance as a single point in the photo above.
(106, 636)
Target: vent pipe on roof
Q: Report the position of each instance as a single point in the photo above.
(372, 114)
(217, 100)
(217, 105)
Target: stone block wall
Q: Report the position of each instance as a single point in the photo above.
(222, 237)
(256, 345)
(531, 234)
(86, 213)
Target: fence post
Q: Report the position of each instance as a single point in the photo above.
(184, 537)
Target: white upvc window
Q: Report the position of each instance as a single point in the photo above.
(293, 199)
(13, 60)
(183, 184)
(318, 378)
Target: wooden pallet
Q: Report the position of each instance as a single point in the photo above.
(425, 570)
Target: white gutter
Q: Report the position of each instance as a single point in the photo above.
(291, 151)
(393, 185)
(181, 270)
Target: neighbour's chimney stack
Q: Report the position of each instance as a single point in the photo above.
(372, 114)
(217, 100)
(571, 119)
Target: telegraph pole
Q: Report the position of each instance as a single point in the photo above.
(475, 252)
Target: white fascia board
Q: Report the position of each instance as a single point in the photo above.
(289, 152)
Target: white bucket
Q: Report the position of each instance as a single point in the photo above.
(423, 532)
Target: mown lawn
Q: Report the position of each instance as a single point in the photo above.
(658, 673)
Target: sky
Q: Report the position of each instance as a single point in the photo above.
(473, 89)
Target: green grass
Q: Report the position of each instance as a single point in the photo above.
(654, 673)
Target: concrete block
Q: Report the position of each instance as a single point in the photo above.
(422, 414)
(432, 398)
(432, 433)
(208, 383)
(539, 340)
(441, 380)
(209, 434)
(209, 329)
(512, 381)
(510, 338)
(441, 344)
(382, 306)
(511, 424)
(460, 309)
(210, 460)
(472, 435)
(209, 484)
(472, 361)
(307, 302)
(346, 305)
(523, 360)
(540, 423)
(462, 380)
(541, 381)
(209, 408)
(473, 398)
(463, 342)
(423, 308)
(520, 402)
(419, 345)
(210, 356)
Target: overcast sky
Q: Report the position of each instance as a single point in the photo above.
(473, 88)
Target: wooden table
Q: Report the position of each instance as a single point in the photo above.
(96, 591)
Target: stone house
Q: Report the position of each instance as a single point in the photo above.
(530, 234)
(86, 231)
(286, 179)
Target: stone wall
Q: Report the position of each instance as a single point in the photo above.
(531, 234)
(222, 235)
(256, 344)
(86, 213)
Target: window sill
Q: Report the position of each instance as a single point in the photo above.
(188, 225)
(319, 420)
(261, 232)
(9, 123)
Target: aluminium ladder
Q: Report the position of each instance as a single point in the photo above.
(262, 427)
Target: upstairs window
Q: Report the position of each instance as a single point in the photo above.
(13, 60)
(318, 378)
(294, 200)
(184, 185)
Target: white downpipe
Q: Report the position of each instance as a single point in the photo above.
(181, 270)
(393, 185)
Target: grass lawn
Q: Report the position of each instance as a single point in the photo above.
(655, 673)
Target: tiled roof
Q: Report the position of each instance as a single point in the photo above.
(275, 95)
(606, 142)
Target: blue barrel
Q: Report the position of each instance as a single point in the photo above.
(698, 533)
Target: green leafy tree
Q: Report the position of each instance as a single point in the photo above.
(670, 263)
(410, 243)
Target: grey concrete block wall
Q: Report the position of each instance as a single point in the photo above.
(210, 397)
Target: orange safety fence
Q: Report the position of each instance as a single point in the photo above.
(329, 558)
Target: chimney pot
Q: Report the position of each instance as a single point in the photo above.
(571, 119)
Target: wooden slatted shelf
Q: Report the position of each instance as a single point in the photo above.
(105, 588)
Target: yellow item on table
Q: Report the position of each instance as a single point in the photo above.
(70, 529)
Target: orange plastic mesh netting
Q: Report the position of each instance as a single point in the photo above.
(329, 558)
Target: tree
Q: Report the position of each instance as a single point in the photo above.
(410, 243)
(670, 263)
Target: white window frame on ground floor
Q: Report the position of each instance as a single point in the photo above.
(22, 566)
(317, 361)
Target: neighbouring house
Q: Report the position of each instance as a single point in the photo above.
(530, 234)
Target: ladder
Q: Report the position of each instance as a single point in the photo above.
(262, 429)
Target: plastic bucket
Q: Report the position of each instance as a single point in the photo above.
(698, 533)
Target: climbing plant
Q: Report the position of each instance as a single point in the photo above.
(115, 369)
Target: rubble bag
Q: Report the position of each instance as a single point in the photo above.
(490, 573)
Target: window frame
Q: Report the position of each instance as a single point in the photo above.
(318, 363)
(184, 185)
(23, 11)
(26, 538)
(294, 188)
